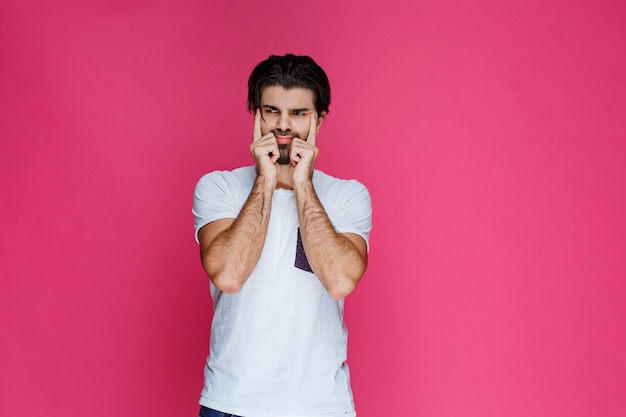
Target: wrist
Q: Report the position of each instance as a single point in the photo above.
(302, 183)
(303, 179)
(265, 182)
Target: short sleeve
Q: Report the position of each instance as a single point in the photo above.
(352, 209)
(218, 195)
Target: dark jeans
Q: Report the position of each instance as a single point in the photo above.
(208, 412)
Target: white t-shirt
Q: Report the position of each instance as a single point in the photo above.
(278, 346)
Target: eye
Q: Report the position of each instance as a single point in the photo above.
(299, 113)
(270, 111)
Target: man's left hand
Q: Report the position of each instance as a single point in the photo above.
(303, 153)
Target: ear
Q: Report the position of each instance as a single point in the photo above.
(320, 119)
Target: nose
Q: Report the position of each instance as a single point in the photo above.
(283, 121)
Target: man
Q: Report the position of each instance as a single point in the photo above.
(283, 245)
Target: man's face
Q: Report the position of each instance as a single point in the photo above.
(287, 114)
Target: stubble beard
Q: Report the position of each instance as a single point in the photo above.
(284, 148)
(283, 159)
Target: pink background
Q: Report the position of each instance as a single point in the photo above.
(492, 136)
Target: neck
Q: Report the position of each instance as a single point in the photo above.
(284, 178)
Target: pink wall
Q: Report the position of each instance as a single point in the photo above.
(492, 136)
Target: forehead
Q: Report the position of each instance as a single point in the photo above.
(293, 98)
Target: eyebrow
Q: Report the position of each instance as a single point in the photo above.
(268, 106)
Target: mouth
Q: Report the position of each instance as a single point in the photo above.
(284, 140)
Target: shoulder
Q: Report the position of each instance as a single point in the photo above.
(239, 177)
(337, 192)
(327, 183)
(221, 194)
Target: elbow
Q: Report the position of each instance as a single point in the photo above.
(229, 286)
(340, 294)
(345, 283)
(343, 287)
(228, 282)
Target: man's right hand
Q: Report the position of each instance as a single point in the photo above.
(264, 150)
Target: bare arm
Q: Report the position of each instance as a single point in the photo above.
(338, 260)
(230, 248)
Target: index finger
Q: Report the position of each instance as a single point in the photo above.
(256, 130)
(311, 138)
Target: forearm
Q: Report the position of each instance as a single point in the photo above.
(334, 258)
(232, 255)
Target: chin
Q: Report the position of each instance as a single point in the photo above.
(284, 159)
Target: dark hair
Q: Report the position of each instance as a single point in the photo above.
(289, 71)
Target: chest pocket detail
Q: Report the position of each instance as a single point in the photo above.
(301, 261)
